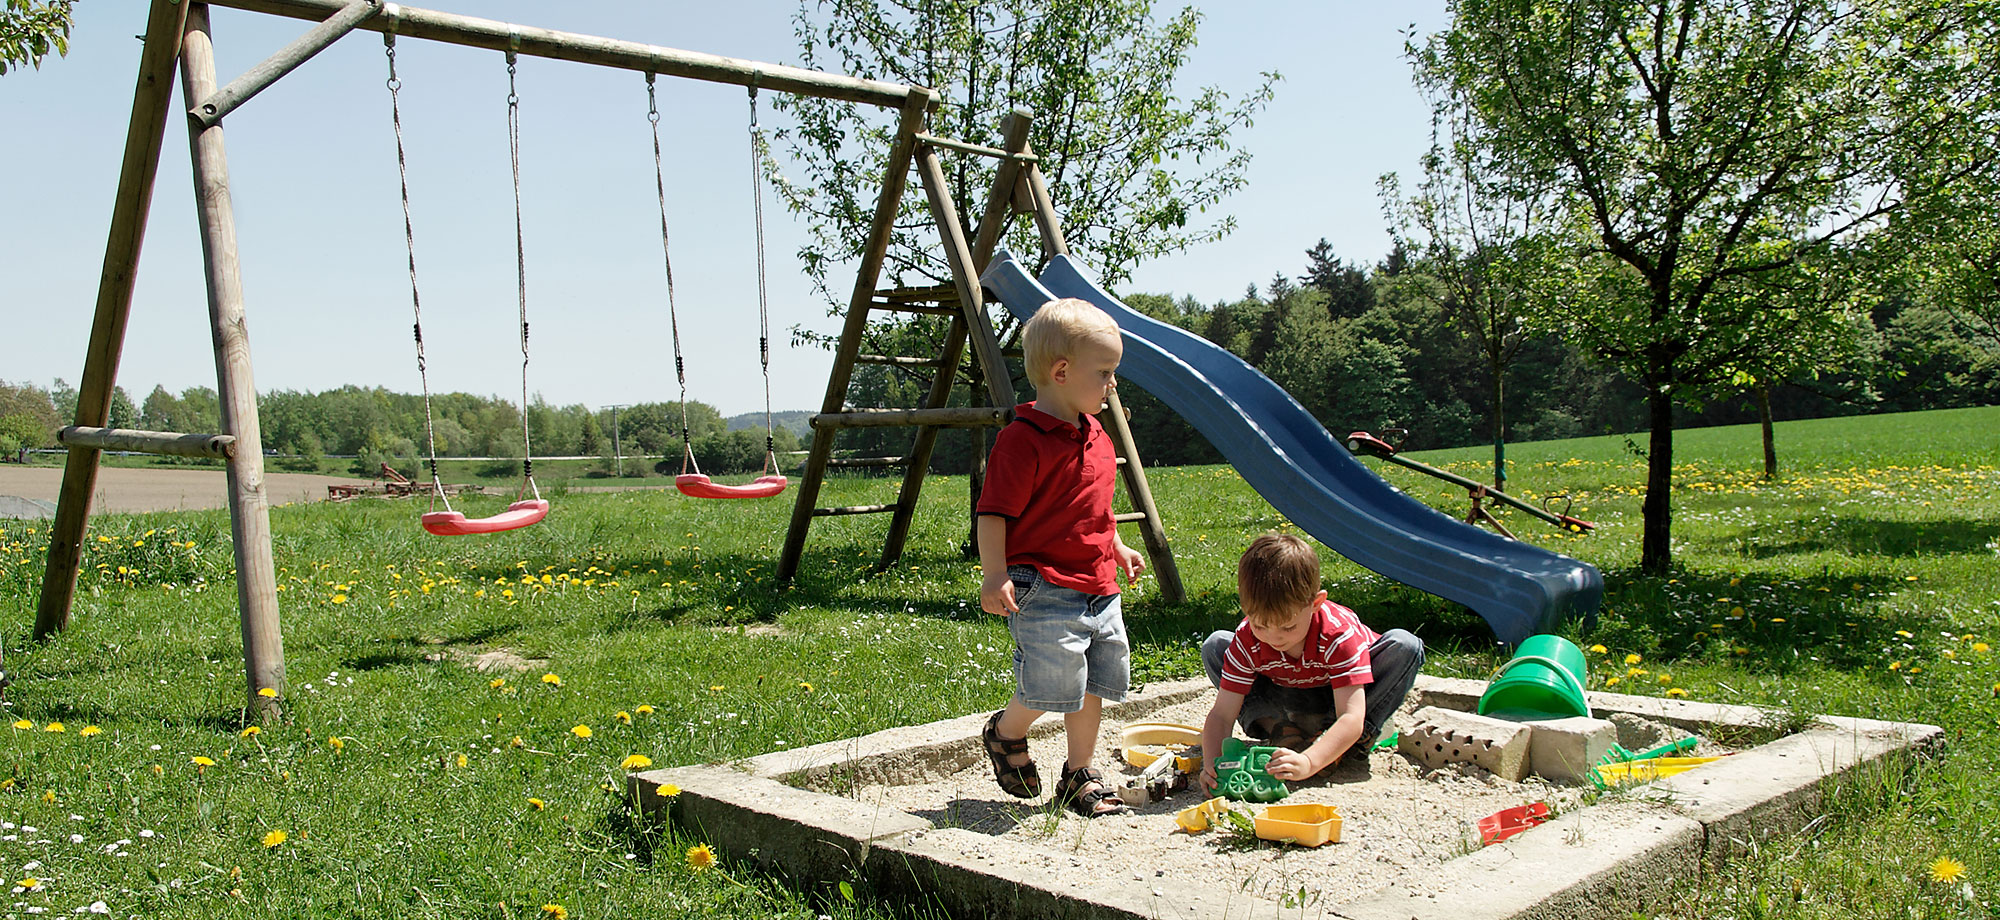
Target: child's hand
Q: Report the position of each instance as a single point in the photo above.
(1130, 562)
(1290, 765)
(996, 595)
(1206, 781)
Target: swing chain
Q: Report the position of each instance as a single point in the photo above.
(520, 264)
(763, 298)
(667, 256)
(410, 245)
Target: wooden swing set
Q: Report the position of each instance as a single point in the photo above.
(178, 35)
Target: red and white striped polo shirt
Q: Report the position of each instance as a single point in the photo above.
(1335, 654)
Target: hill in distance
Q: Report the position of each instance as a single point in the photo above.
(796, 421)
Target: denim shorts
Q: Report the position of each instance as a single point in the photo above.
(1066, 644)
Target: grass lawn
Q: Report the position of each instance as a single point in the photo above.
(1861, 581)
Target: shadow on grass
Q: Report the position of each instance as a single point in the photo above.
(1758, 622)
(1875, 537)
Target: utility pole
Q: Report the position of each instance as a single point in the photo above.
(617, 454)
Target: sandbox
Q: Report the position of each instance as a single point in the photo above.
(914, 812)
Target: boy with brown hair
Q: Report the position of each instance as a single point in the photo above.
(1050, 554)
(1300, 672)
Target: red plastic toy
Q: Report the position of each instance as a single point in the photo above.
(456, 524)
(1507, 822)
(697, 485)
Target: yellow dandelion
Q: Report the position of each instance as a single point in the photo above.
(274, 838)
(1633, 659)
(496, 683)
(555, 912)
(24, 725)
(700, 857)
(55, 728)
(1946, 869)
(581, 731)
(668, 790)
(336, 742)
(90, 731)
(1736, 611)
(643, 709)
(536, 804)
(552, 680)
(250, 731)
(49, 797)
(461, 761)
(1981, 647)
(623, 717)
(1740, 650)
(269, 693)
(1677, 693)
(1611, 682)
(1777, 619)
(157, 769)
(1599, 650)
(635, 762)
(1636, 672)
(507, 592)
(1666, 678)
(517, 742)
(1906, 634)
(31, 883)
(805, 686)
(201, 764)
(1895, 666)
(716, 688)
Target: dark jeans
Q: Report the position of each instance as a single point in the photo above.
(1395, 658)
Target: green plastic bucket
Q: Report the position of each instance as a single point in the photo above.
(1543, 680)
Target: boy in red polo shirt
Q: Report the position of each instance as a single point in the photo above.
(1050, 554)
(1300, 672)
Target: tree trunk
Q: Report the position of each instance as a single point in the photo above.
(1770, 442)
(1499, 424)
(1656, 545)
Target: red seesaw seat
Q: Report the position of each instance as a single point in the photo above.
(456, 524)
(697, 485)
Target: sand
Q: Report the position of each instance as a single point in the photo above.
(126, 490)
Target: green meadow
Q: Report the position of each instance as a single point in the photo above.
(646, 628)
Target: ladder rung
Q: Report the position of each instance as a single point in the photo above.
(898, 361)
(1012, 353)
(923, 308)
(876, 461)
(1128, 517)
(852, 509)
(936, 292)
(170, 443)
(1121, 461)
(952, 417)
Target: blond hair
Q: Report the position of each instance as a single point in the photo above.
(1053, 332)
(1277, 576)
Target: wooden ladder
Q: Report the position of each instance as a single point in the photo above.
(1014, 192)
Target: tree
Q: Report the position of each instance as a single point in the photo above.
(123, 414)
(29, 31)
(1348, 293)
(64, 397)
(1690, 150)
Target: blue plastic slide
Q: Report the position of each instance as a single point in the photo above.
(1309, 476)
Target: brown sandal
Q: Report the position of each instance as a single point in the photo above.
(1021, 782)
(1072, 793)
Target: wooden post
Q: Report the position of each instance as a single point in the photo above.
(895, 174)
(1000, 202)
(249, 507)
(920, 449)
(208, 112)
(1166, 573)
(985, 347)
(143, 134)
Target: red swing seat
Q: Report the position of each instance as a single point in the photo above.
(696, 485)
(456, 524)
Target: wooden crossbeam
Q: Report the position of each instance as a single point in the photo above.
(169, 443)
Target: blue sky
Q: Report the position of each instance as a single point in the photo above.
(314, 185)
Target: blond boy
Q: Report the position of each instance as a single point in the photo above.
(1050, 554)
(1300, 672)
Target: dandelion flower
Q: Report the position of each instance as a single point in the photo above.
(623, 717)
(1946, 869)
(1611, 682)
(201, 764)
(1736, 611)
(643, 709)
(461, 761)
(90, 730)
(1677, 692)
(1981, 647)
(537, 804)
(517, 742)
(1599, 650)
(336, 742)
(1633, 659)
(496, 683)
(1666, 678)
(668, 790)
(552, 680)
(555, 912)
(274, 838)
(49, 797)
(805, 686)
(716, 688)
(269, 693)
(250, 731)
(340, 598)
(24, 725)
(700, 857)
(635, 762)
(581, 731)
(55, 728)
(31, 883)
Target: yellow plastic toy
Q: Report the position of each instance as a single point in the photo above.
(1305, 825)
(1618, 773)
(1197, 818)
(1145, 742)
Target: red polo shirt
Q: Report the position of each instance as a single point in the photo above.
(1335, 654)
(1053, 483)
